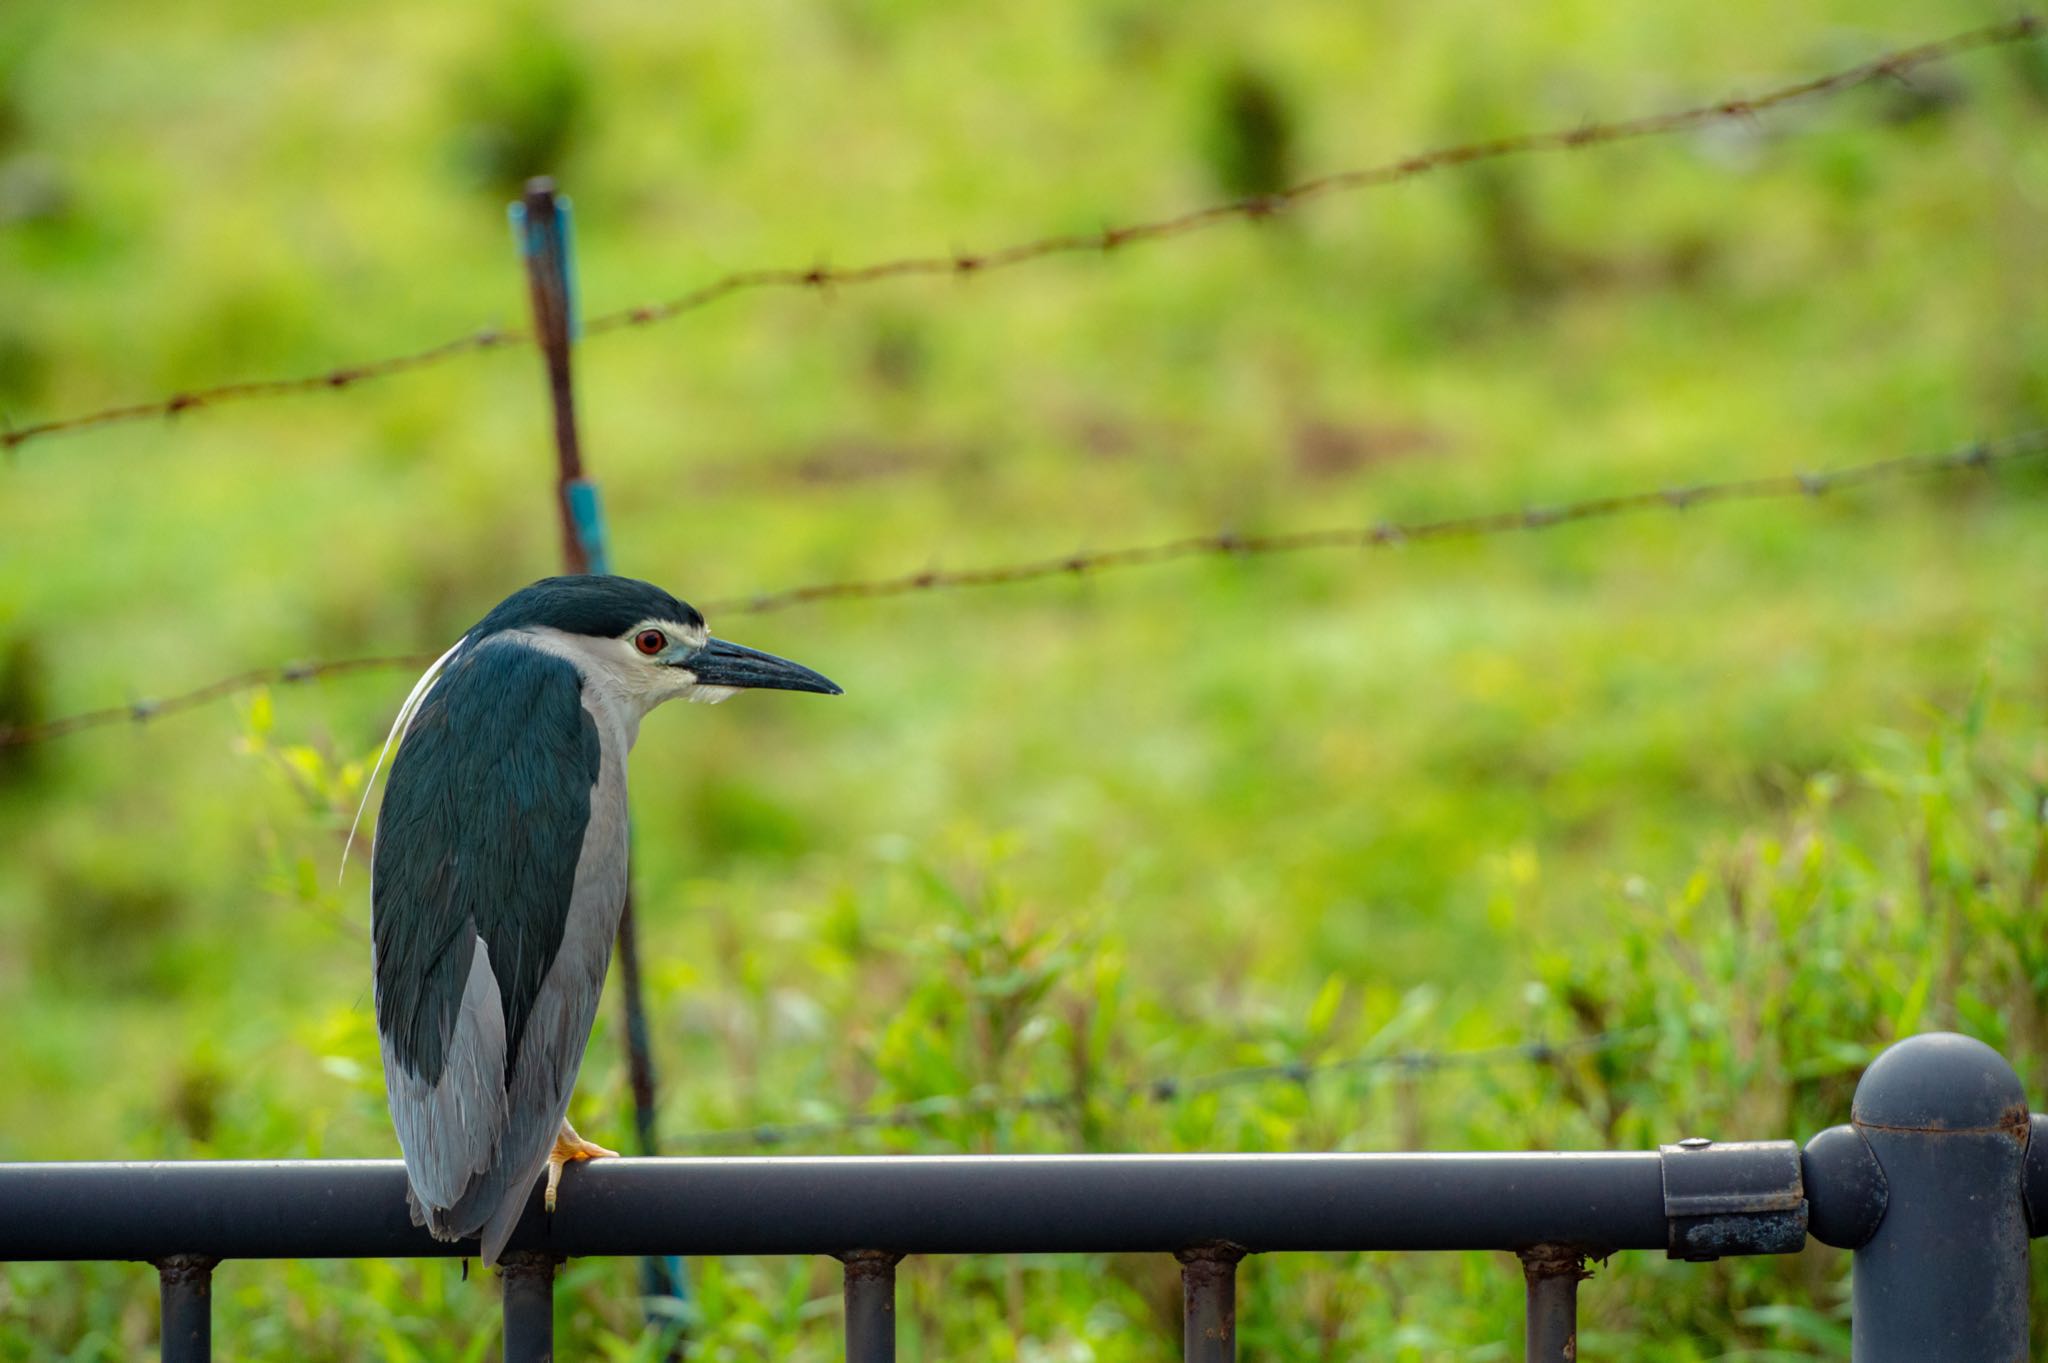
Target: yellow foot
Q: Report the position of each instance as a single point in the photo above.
(570, 1146)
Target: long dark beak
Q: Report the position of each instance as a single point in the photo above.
(719, 663)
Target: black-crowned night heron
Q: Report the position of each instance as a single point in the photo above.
(499, 873)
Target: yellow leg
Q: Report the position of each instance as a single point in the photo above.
(570, 1146)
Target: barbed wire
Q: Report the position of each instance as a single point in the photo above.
(966, 264)
(335, 380)
(1387, 534)
(142, 711)
(1983, 454)
(1160, 1090)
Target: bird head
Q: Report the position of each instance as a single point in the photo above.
(631, 642)
(639, 643)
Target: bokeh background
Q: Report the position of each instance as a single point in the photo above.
(1747, 792)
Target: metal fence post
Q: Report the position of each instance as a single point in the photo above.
(529, 1306)
(542, 225)
(1208, 1278)
(1554, 1273)
(185, 1286)
(1945, 1275)
(870, 1297)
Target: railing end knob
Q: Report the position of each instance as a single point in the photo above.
(1940, 1081)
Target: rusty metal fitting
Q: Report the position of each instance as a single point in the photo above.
(1554, 1261)
(528, 1263)
(186, 1268)
(870, 1263)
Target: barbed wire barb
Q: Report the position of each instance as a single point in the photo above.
(1978, 455)
(824, 279)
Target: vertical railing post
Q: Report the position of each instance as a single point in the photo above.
(1553, 1274)
(185, 1286)
(1208, 1281)
(1945, 1275)
(529, 1306)
(870, 1305)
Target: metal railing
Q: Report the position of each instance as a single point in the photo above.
(1937, 1184)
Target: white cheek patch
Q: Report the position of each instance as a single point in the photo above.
(707, 695)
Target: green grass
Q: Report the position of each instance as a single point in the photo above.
(1762, 783)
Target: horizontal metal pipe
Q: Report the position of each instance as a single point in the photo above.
(959, 1204)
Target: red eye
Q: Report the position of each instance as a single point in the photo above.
(650, 641)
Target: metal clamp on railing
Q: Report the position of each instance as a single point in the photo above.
(1733, 1197)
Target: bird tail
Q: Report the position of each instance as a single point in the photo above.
(489, 1214)
(435, 1219)
(499, 1228)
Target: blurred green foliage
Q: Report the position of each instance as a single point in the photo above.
(1763, 784)
(519, 105)
(1251, 147)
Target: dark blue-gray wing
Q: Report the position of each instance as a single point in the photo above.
(473, 881)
